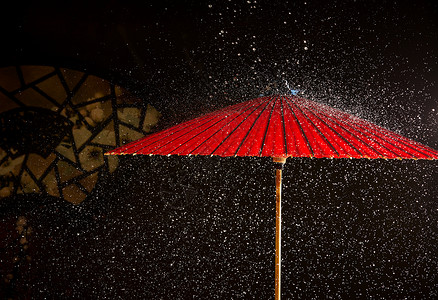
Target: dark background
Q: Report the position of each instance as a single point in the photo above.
(178, 228)
(376, 59)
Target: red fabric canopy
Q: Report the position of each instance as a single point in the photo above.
(279, 126)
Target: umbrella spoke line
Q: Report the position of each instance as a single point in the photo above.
(267, 127)
(403, 141)
(342, 126)
(205, 130)
(429, 152)
(221, 143)
(161, 135)
(378, 140)
(284, 125)
(334, 131)
(369, 144)
(395, 145)
(255, 110)
(318, 118)
(301, 129)
(354, 136)
(374, 141)
(252, 126)
(315, 126)
(195, 136)
(390, 135)
(406, 142)
(187, 125)
(355, 133)
(396, 137)
(289, 101)
(294, 134)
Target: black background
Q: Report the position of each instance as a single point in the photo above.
(376, 59)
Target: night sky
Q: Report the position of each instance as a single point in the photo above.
(183, 228)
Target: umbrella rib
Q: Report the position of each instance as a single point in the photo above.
(394, 145)
(390, 135)
(301, 128)
(188, 125)
(252, 126)
(427, 150)
(375, 140)
(337, 133)
(184, 126)
(399, 140)
(407, 142)
(241, 122)
(284, 125)
(358, 138)
(221, 128)
(267, 127)
(135, 143)
(246, 109)
(316, 127)
(335, 120)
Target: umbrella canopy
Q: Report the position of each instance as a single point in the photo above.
(279, 126)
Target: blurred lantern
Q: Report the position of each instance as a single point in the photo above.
(55, 124)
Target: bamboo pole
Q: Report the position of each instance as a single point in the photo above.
(279, 162)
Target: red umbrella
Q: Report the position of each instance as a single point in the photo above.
(279, 127)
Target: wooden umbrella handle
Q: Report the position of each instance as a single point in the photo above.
(279, 162)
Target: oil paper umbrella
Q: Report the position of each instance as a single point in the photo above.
(279, 127)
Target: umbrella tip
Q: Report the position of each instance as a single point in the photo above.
(292, 91)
